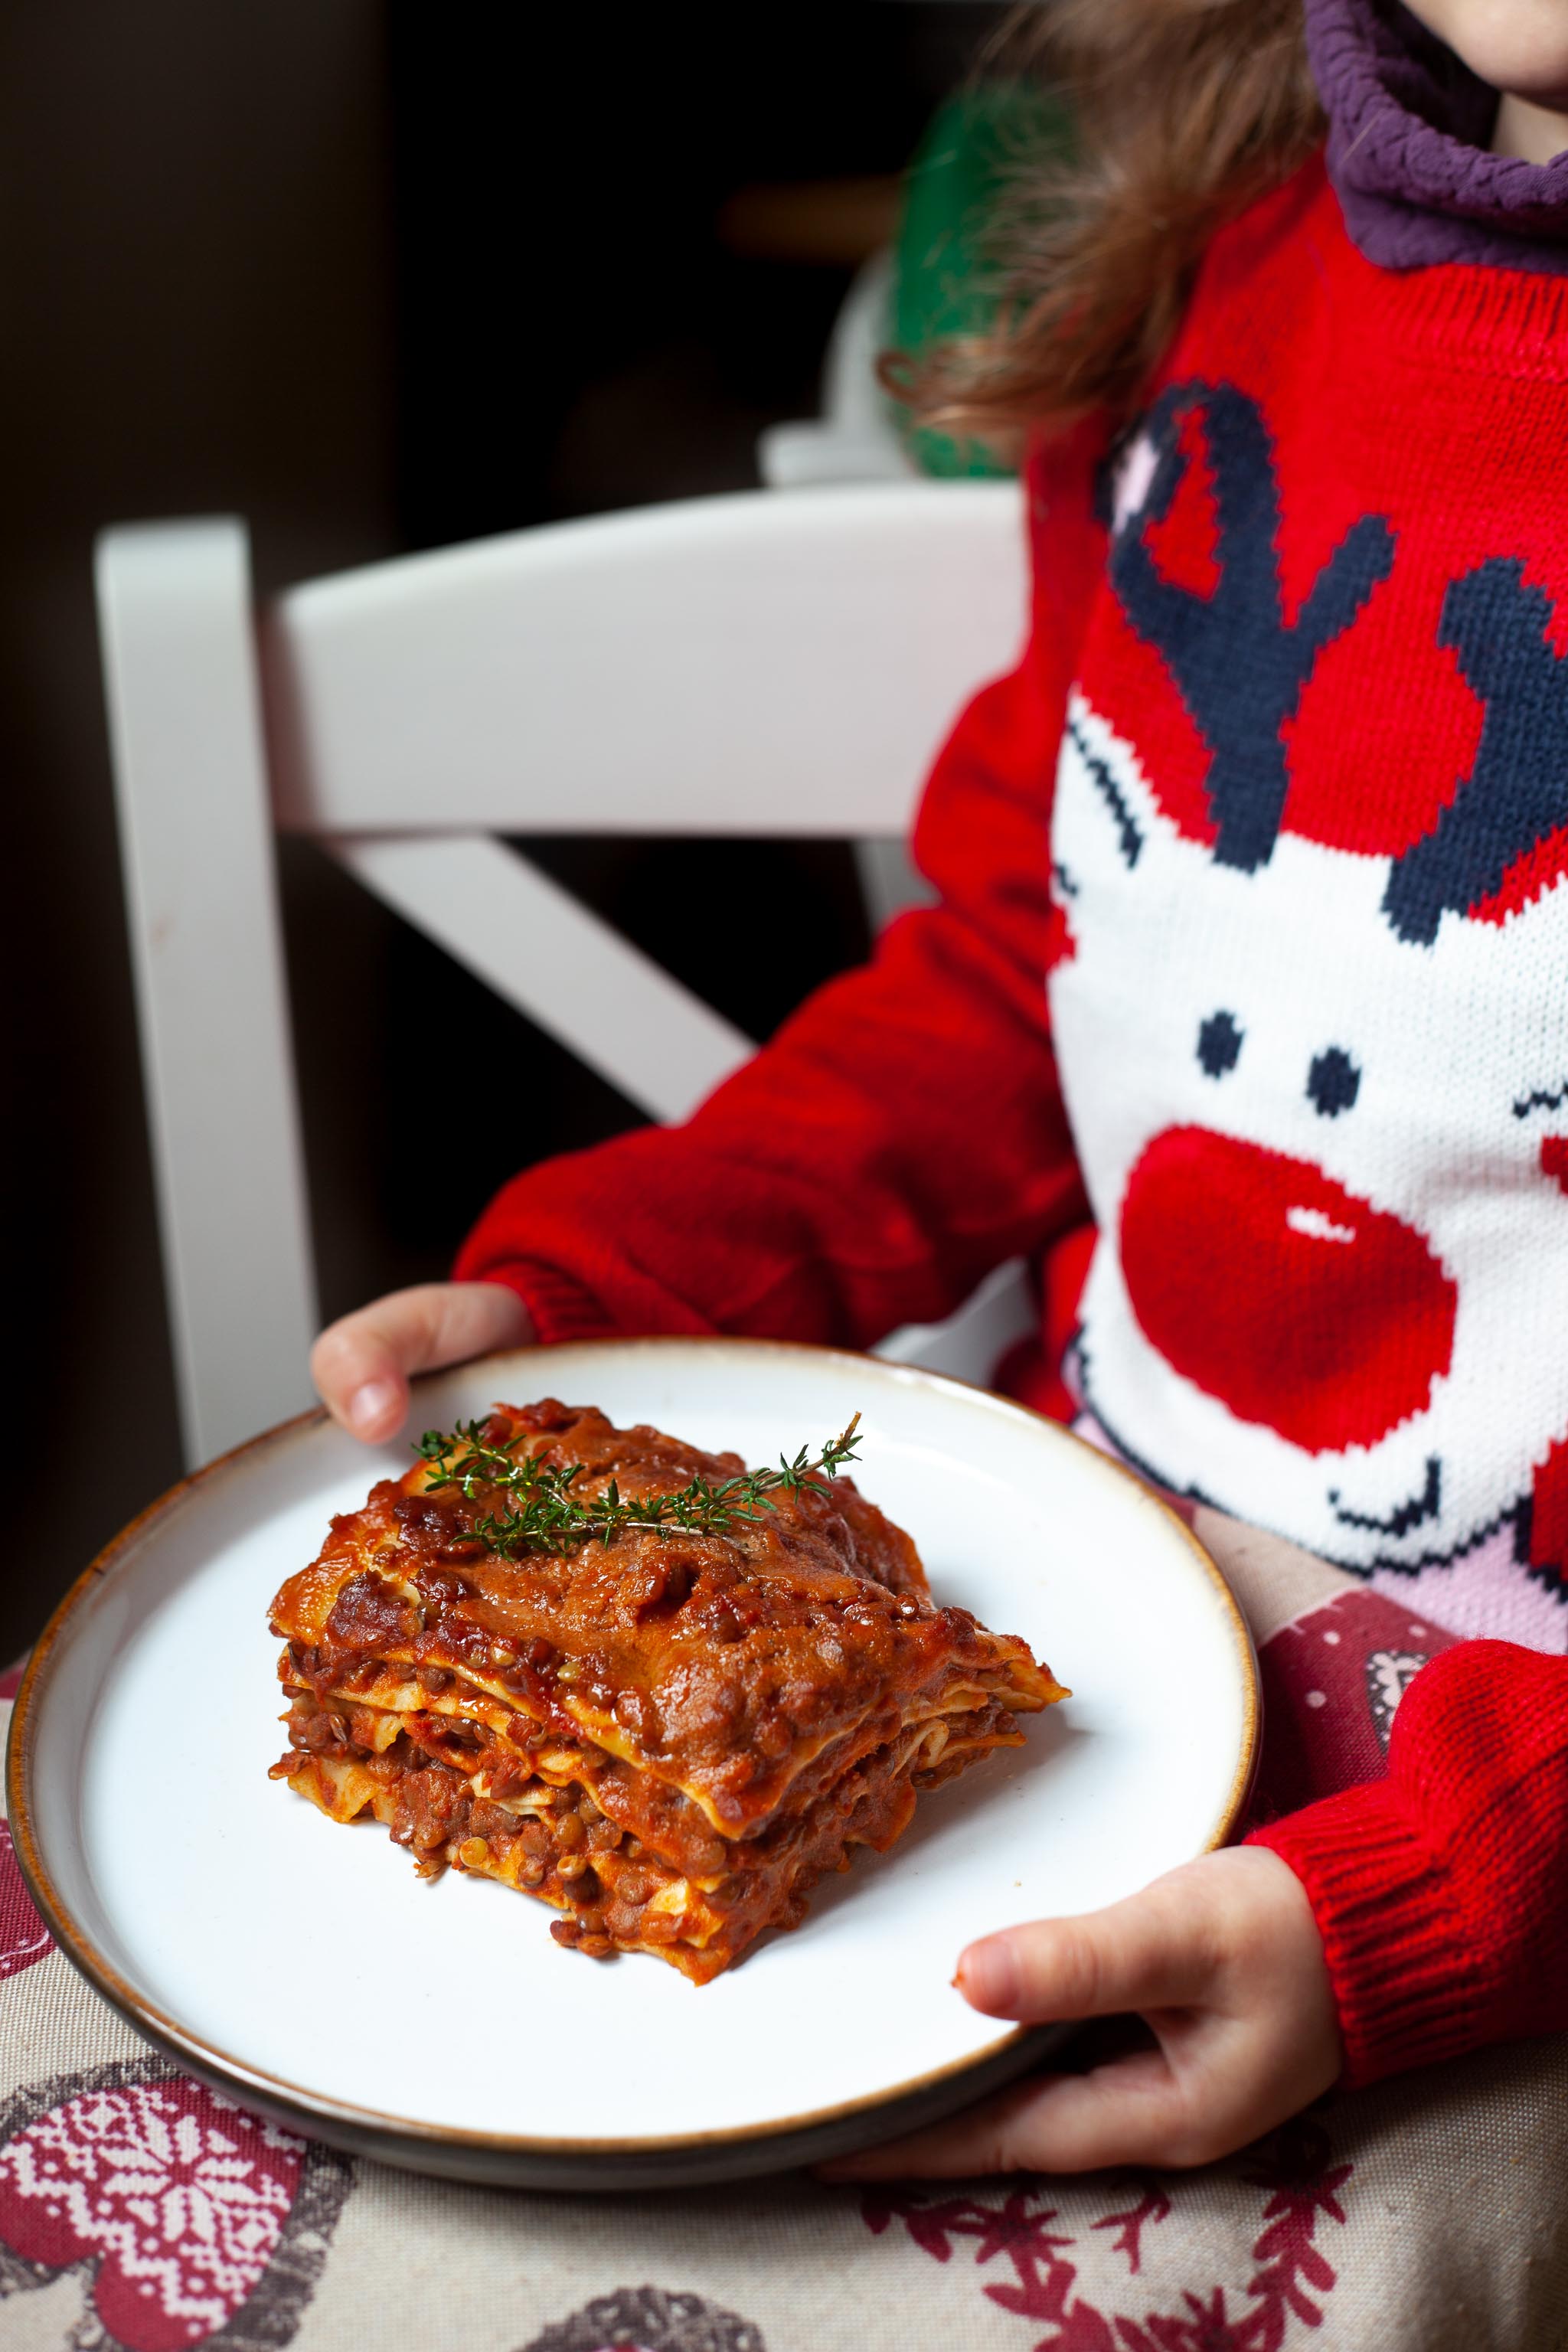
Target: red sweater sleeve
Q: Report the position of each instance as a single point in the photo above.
(903, 1132)
(1442, 1891)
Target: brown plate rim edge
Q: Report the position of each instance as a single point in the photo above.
(146, 2016)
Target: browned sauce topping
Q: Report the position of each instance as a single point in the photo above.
(370, 1615)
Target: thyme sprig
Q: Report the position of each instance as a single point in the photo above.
(548, 1515)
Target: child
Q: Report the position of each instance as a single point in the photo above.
(1248, 990)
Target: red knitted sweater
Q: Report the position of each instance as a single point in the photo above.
(1277, 799)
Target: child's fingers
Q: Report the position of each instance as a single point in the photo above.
(1224, 1959)
(1148, 1952)
(1132, 2111)
(361, 1364)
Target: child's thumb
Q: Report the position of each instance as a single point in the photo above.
(1131, 1956)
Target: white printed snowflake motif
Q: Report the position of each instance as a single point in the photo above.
(181, 2198)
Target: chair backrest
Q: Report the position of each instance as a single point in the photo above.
(755, 664)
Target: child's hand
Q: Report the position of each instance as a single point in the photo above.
(1224, 1962)
(361, 1365)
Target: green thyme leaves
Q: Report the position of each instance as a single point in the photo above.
(544, 1512)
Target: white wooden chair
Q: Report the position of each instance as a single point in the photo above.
(755, 664)
(853, 438)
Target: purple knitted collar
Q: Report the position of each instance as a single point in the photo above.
(1408, 127)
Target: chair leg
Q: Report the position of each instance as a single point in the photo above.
(196, 830)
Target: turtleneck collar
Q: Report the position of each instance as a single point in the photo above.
(1408, 127)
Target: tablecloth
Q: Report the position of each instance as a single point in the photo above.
(141, 2212)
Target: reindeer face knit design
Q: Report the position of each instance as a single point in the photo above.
(1310, 853)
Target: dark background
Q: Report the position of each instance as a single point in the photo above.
(375, 275)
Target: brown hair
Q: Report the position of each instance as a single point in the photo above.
(1185, 111)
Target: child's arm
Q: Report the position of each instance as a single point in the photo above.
(1420, 1916)
(1441, 1892)
(901, 1136)
(903, 1133)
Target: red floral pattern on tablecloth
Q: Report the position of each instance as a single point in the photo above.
(179, 2203)
(1299, 2189)
(24, 1938)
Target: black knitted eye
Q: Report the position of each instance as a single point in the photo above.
(1333, 1082)
(1219, 1044)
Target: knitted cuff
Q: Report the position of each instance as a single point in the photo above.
(1405, 1983)
(558, 1308)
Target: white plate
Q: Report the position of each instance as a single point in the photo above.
(304, 1967)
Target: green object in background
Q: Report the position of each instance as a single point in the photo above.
(940, 269)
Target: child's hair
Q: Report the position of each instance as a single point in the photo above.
(1184, 110)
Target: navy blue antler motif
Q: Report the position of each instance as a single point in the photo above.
(1240, 669)
(1517, 791)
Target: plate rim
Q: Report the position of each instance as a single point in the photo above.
(309, 2107)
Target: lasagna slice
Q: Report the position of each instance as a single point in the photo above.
(668, 1735)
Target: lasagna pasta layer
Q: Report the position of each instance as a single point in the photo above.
(727, 1716)
(548, 1835)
